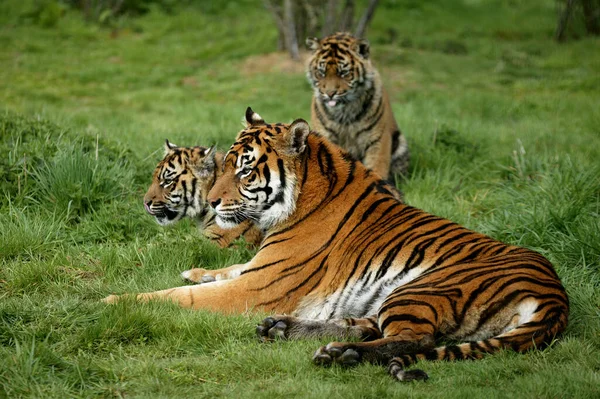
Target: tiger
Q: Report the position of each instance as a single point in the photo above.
(342, 257)
(180, 184)
(350, 106)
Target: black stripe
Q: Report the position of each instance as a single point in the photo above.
(264, 266)
(377, 116)
(408, 318)
(392, 305)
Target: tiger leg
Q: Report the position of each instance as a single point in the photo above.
(226, 237)
(198, 275)
(407, 322)
(289, 327)
(537, 333)
(225, 296)
(378, 156)
(379, 351)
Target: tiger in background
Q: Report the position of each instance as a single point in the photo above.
(350, 106)
(343, 257)
(180, 183)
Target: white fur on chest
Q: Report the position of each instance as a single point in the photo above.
(360, 298)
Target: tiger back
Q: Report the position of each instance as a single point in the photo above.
(180, 183)
(343, 257)
(350, 106)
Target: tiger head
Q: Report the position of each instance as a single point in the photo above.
(259, 173)
(180, 183)
(339, 69)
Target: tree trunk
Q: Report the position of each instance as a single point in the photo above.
(563, 21)
(290, 29)
(330, 14)
(591, 14)
(298, 19)
(347, 17)
(365, 19)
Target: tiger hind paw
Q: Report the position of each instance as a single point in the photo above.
(335, 354)
(272, 328)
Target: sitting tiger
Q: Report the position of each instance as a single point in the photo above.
(343, 257)
(350, 106)
(180, 184)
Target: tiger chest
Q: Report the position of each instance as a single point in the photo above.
(352, 140)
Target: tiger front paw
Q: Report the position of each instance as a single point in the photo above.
(274, 327)
(197, 276)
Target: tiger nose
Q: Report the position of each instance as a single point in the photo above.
(331, 93)
(214, 203)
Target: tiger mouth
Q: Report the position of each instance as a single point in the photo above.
(333, 102)
(162, 214)
(231, 216)
(148, 209)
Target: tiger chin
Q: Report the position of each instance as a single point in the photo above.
(180, 184)
(342, 257)
(350, 106)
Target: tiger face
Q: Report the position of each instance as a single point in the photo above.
(180, 184)
(339, 69)
(259, 173)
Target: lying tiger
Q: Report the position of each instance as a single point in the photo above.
(180, 184)
(343, 257)
(350, 106)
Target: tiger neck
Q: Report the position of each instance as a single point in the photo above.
(321, 175)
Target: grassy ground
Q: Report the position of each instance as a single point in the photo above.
(504, 130)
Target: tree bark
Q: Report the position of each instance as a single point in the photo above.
(298, 19)
(347, 17)
(591, 14)
(365, 19)
(563, 21)
(290, 29)
(278, 18)
(330, 14)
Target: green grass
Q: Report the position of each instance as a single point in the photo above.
(503, 125)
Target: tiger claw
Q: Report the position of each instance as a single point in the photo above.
(330, 354)
(322, 358)
(271, 329)
(349, 358)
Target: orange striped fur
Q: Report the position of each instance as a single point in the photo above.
(343, 257)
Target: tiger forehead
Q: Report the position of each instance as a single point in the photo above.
(339, 41)
(259, 135)
(333, 53)
(178, 156)
(177, 159)
(249, 140)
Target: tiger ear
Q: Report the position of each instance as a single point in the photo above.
(312, 43)
(209, 152)
(252, 118)
(364, 48)
(297, 134)
(208, 163)
(169, 146)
